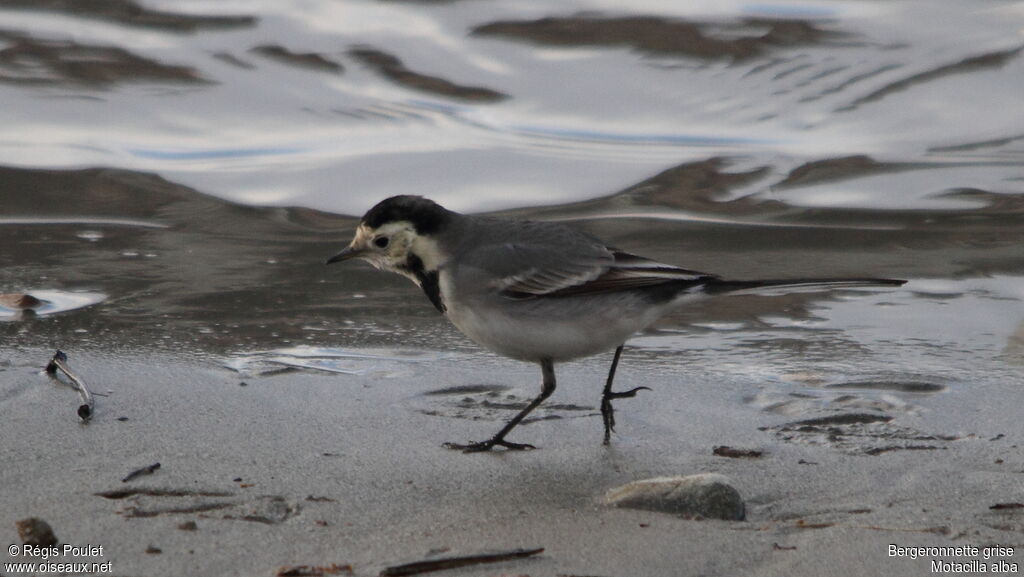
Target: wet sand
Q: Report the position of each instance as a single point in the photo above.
(311, 468)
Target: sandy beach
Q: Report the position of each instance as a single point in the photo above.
(313, 468)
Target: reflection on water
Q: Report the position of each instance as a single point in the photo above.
(737, 40)
(131, 13)
(223, 142)
(501, 105)
(29, 61)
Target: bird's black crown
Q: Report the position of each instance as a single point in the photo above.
(425, 215)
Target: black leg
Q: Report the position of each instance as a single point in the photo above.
(547, 387)
(607, 412)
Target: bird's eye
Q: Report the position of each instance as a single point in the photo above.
(381, 242)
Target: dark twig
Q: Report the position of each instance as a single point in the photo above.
(314, 570)
(147, 470)
(733, 453)
(60, 361)
(453, 562)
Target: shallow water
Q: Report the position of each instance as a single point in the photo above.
(193, 163)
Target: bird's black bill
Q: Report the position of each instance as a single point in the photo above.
(343, 255)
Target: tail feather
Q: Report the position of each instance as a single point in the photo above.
(719, 286)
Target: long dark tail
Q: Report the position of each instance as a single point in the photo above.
(718, 286)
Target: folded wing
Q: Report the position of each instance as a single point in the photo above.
(533, 259)
(628, 271)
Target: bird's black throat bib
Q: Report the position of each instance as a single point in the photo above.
(428, 280)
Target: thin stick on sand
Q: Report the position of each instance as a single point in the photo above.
(60, 361)
(147, 470)
(453, 562)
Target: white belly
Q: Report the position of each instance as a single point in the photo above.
(559, 329)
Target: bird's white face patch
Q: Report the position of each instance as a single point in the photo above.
(402, 240)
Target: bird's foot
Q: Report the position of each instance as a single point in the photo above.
(488, 445)
(608, 413)
(624, 394)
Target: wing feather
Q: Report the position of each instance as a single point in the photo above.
(629, 271)
(532, 259)
(551, 271)
(624, 271)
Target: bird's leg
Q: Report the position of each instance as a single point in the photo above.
(547, 387)
(607, 412)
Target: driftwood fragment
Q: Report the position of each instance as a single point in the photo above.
(60, 361)
(454, 562)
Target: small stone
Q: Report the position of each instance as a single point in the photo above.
(707, 495)
(153, 550)
(188, 526)
(20, 301)
(35, 531)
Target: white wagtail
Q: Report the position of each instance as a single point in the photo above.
(535, 291)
